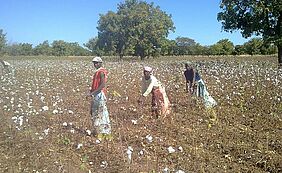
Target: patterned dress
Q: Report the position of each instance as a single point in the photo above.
(99, 111)
(160, 101)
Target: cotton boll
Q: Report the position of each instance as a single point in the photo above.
(46, 131)
(104, 164)
(45, 108)
(134, 122)
(149, 138)
(180, 149)
(170, 149)
(165, 170)
(55, 111)
(88, 132)
(79, 146)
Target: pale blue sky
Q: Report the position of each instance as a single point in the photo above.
(33, 21)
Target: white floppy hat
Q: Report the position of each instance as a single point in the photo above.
(147, 68)
(97, 59)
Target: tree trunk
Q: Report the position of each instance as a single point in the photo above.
(279, 56)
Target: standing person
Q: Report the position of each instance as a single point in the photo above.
(150, 84)
(99, 111)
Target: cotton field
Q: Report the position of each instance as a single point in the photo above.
(46, 126)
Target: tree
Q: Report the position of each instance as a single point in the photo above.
(13, 49)
(94, 45)
(43, 49)
(17, 49)
(268, 49)
(259, 17)
(3, 41)
(168, 47)
(76, 50)
(138, 28)
(60, 48)
(239, 50)
(253, 46)
(25, 49)
(222, 47)
(185, 45)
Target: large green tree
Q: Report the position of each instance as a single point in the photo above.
(259, 17)
(137, 28)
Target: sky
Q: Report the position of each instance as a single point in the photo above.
(34, 21)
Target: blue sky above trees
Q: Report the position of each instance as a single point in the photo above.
(35, 21)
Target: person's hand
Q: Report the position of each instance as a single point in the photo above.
(89, 94)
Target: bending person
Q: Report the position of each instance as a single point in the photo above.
(160, 101)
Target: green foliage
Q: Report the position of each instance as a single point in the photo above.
(222, 47)
(257, 46)
(57, 48)
(62, 48)
(93, 47)
(168, 47)
(138, 28)
(185, 45)
(239, 50)
(2, 41)
(66, 140)
(18, 49)
(263, 17)
(25, 49)
(253, 46)
(252, 17)
(43, 49)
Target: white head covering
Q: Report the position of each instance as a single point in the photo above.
(97, 59)
(147, 68)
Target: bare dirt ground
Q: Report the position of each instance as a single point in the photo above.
(44, 117)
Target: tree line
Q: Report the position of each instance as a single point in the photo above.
(141, 29)
(179, 46)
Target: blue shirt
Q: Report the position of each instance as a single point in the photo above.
(197, 76)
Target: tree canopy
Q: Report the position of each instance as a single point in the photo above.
(137, 28)
(259, 17)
